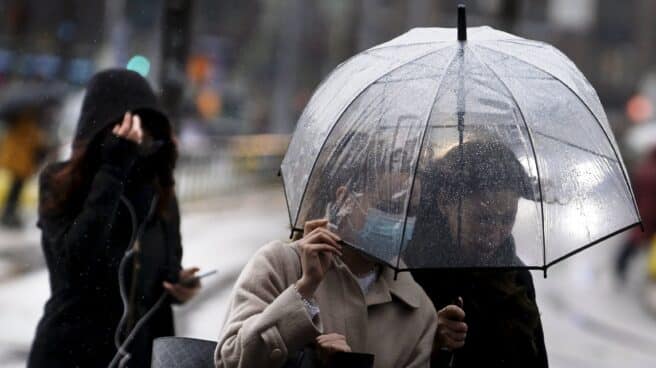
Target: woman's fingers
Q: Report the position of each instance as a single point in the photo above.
(452, 312)
(126, 125)
(333, 343)
(317, 248)
(455, 336)
(325, 230)
(455, 326)
(313, 224)
(452, 330)
(189, 272)
(322, 237)
(449, 340)
(130, 128)
(330, 337)
(136, 133)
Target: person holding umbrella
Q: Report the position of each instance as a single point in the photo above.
(111, 232)
(315, 296)
(487, 317)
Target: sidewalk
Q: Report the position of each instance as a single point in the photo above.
(20, 250)
(589, 319)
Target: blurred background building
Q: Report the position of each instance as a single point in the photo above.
(236, 74)
(249, 66)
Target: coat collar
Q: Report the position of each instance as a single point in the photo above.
(404, 288)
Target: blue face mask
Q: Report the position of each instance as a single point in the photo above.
(382, 233)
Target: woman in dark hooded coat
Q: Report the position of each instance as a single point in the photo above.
(117, 187)
(487, 317)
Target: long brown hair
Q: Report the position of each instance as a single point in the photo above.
(64, 189)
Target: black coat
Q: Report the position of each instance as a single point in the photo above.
(84, 242)
(491, 341)
(83, 251)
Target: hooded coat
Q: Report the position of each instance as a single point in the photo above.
(84, 244)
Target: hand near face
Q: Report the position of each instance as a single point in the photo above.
(318, 247)
(130, 128)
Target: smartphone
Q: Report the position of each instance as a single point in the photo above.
(193, 281)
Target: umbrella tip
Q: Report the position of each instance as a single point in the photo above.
(462, 22)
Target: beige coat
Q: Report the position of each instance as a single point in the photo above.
(266, 318)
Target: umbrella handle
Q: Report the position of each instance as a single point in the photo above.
(451, 356)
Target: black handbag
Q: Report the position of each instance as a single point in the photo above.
(308, 358)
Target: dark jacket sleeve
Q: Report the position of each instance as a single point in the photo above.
(541, 360)
(77, 236)
(175, 240)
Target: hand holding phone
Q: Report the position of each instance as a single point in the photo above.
(195, 280)
(188, 285)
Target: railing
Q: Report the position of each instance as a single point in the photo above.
(222, 165)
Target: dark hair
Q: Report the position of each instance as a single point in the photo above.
(69, 183)
(474, 167)
(479, 166)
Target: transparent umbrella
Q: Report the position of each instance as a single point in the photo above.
(438, 150)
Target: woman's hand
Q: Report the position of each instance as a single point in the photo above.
(329, 344)
(120, 148)
(181, 292)
(451, 330)
(129, 128)
(318, 247)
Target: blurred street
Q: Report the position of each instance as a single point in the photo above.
(589, 320)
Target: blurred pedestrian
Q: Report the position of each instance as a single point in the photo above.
(111, 204)
(486, 318)
(644, 188)
(314, 295)
(22, 149)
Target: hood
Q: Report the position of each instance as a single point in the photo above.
(112, 92)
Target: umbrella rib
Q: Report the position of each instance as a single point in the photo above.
(626, 179)
(535, 157)
(339, 116)
(447, 126)
(289, 213)
(548, 136)
(421, 144)
(381, 47)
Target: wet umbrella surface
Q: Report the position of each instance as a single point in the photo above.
(429, 152)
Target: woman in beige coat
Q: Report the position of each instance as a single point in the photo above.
(314, 292)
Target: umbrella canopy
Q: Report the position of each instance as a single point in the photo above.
(430, 152)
